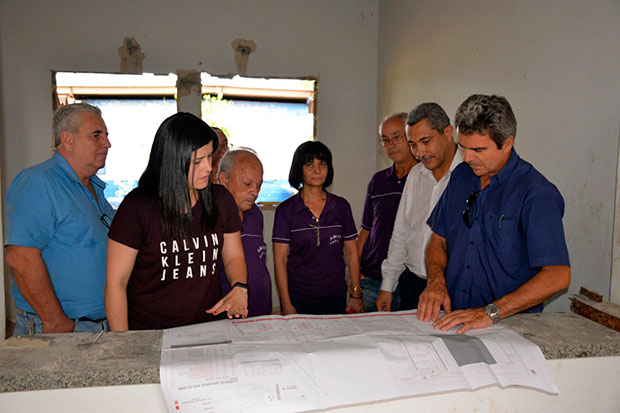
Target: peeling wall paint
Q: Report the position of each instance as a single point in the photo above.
(189, 89)
(131, 56)
(242, 49)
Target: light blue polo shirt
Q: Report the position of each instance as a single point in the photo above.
(48, 208)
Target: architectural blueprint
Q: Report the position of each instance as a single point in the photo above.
(305, 362)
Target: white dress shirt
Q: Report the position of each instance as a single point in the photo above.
(411, 233)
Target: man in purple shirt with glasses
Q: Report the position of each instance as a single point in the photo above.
(382, 198)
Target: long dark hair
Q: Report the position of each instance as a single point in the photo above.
(165, 176)
(307, 152)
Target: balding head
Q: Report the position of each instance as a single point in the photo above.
(241, 172)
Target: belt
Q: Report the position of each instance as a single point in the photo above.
(99, 320)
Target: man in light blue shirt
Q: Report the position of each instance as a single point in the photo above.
(57, 221)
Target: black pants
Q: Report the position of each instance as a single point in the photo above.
(326, 306)
(410, 287)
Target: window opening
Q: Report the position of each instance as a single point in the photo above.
(271, 116)
(133, 107)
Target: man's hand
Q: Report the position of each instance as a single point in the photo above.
(431, 300)
(61, 325)
(384, 301)
(355, 304)
(235, 303)
(471, 318)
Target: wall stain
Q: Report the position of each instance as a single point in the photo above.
(242, 48)
(131, 56)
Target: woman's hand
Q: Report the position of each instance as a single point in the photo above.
(288, 309)
(235, 303)
(355, 304)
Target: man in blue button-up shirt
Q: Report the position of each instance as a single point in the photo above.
(57, 221)
(498, 244)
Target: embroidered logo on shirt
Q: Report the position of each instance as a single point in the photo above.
(335, 239)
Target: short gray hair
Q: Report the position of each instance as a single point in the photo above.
(487, 114)
(67, 118)
(398, 115)
(437, 117)
(229, 160)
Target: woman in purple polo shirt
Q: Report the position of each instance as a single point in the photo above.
(310, 232)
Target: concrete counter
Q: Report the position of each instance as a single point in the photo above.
(71, 360)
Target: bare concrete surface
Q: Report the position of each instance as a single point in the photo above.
(72, 360)
(565, 335)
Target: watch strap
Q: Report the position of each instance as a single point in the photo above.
(241, 285)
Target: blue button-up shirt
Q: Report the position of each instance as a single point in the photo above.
(48, 208)
(516, 229)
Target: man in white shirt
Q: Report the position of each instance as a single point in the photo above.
(429, 134)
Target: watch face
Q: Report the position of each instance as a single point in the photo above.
(492, 311)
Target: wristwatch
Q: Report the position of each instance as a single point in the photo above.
(241, 285)
(493, 312)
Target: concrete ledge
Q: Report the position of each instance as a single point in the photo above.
(70, 361)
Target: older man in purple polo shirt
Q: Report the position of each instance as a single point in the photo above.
(382, 198)
(241, 172)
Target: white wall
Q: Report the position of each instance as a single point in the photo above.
(333, 41)
(558, 64)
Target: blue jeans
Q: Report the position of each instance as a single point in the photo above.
(370, 292)
(27, 324)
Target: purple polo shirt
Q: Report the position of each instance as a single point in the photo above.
(255, 250)
(315, 272)
(382, 199)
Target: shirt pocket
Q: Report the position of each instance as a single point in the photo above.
(505, 238)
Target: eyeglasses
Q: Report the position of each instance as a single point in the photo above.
(393, 140)
(106, 221)
(471, 200)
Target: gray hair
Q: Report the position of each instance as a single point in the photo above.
(229, 160)
(67, 118)
(487, 114)
(398, 115)
(437, 117)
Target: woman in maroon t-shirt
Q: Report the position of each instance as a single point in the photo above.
(168, 233)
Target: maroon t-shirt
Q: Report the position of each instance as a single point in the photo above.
(173, 281)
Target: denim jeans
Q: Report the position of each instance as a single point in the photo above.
(370, 292)
(27, 324)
